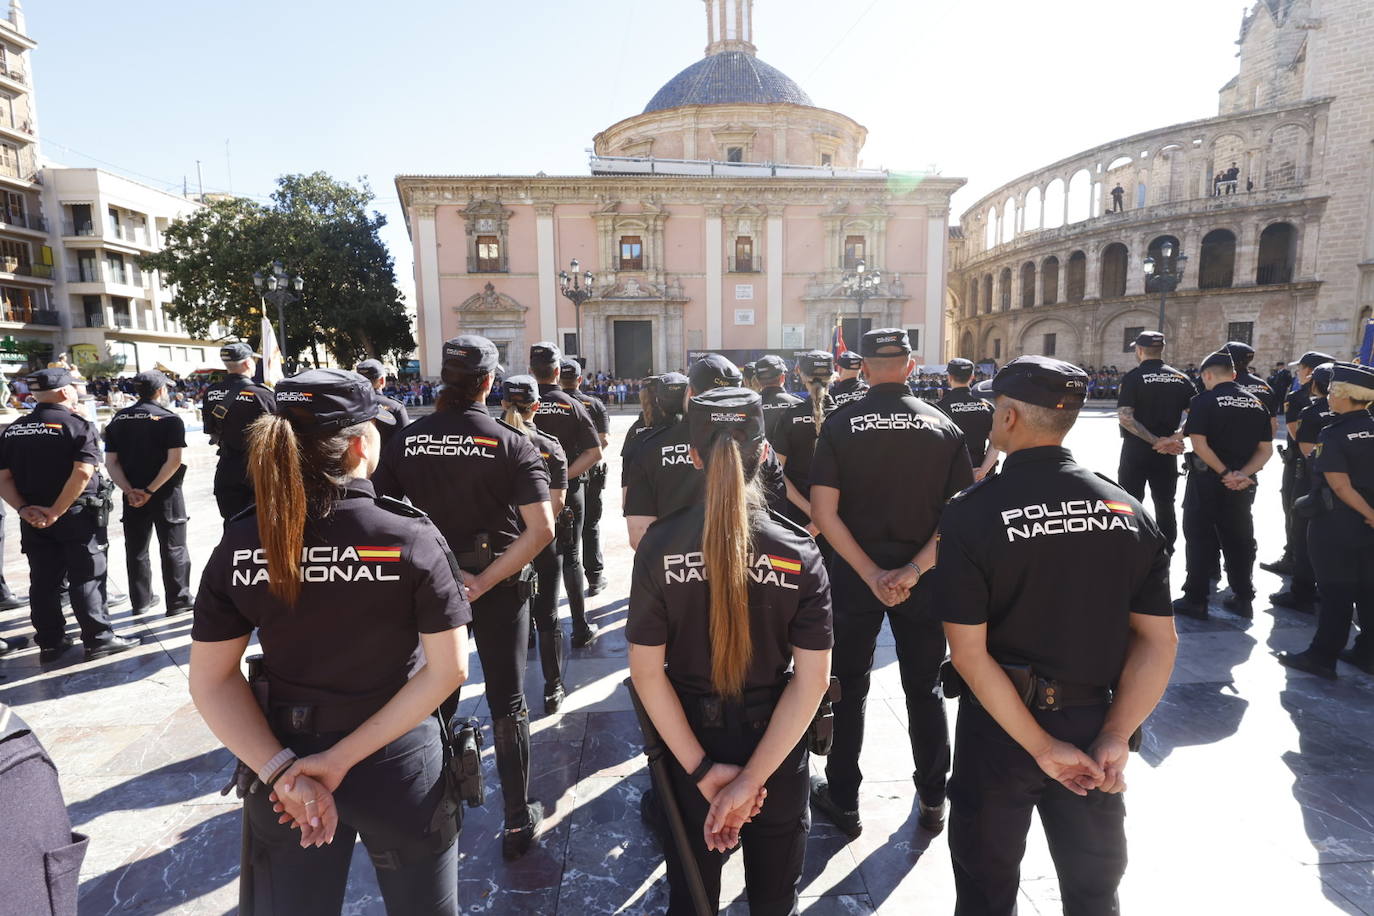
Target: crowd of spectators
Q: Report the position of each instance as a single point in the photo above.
(1104, 382)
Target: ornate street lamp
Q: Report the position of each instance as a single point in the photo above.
(861, 285)
(276, 287)
(577, 288)
(1167, 274)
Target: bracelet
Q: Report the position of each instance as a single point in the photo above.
(273, 769)
(702, 769)
(919, 571)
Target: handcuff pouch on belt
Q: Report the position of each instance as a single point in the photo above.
(244, 781)
(101, 503)
(755, 710)
(566, 528)
(597, 473)
(481, 555)
(1195, 464)
(820, 734)
(461, 742)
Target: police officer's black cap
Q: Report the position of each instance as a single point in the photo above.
(713, 371)
(1221, 359)
(747, 372)
(850, 360)
(148, 383)
(885, 342)
(669, 391)
(733, 410)
(569, 369)
(520, 389)
(769, 366)
(371, 369)
(328, 400)
(1312, 359)
(815, 362)
(50, 379)
(545, 353)
(1241, 352)
(470, 354)
(1150, 340)
(1042, 381)
(1322, 376)
(1353, 374)
(236, 352)
(959, 366)
(983, 389)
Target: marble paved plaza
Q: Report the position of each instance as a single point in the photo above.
(1254, 793)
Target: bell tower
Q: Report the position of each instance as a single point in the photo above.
(730, 26)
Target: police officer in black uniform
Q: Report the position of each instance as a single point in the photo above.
(561, 415)
(1301, 594)
(643, 424)
(362, 623)
(485, 486)
(1242, 354)
(850, 385)
(593, 563)
(747, 377)
(795, 441)
(971, 413)
(1231, 436)
(1341, 531)
(770, 372)
(49, 463)
(229, 408)
(143, 450)
(883, 468)
(1054, 680)
(375, 372)
(1150, 406)
(1295, 472)
(728, 615)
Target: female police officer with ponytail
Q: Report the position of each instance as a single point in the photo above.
(362, 624)
(724, 705)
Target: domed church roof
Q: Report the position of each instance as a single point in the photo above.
(728, 77)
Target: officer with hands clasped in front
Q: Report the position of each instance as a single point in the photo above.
(728, 597)
(485, 486)
(1231, 434)
(849, 384)
(883, 469)
(375, 373)
(227, 411)
(362, 624)
(971, 413)
(1053, 681)
(770, 372)
(49, 461)
(570, 378)
(1151, 405)
(144, 445)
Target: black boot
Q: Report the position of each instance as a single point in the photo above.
(551, 661)
(513, 767)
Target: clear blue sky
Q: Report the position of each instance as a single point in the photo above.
(982, 89)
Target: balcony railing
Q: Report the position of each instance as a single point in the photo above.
(12, 266)
(94, 320)
(23, 127)
(85, 273)
(25, 315)
(23, 220)
(746, 265)
(71, 228)
(123, 321)
(14, 73)
(134, 234)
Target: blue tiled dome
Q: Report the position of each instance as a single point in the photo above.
(726, 78)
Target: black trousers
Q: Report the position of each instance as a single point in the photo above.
(920, 641)
(165, 512)
(995, 787)
(388, 800)
(544, 617)
(774, 843)
(1141, 465)
(1216, 518)
(70, 548)
(570, 556)
(40, 856)
(595, 483)
(1342, 552)
(233, 491)
(1303, 582)
(501, 625)
(1289, 492)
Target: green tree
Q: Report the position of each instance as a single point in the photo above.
(318, 228)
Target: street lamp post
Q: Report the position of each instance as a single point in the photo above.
(577, 288)
(276, 287)
(861, 285)
(1167, 274)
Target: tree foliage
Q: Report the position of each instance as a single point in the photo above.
(318, 228)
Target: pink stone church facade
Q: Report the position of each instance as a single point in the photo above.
(725, 216)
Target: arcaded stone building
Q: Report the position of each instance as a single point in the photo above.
(724, 216)
(1281, 255)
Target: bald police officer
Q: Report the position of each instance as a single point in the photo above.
(570, 376)
(849, 384)
(375, 372)
(971, 413)
(1151, 405)
(229, 408)
(1054, 680)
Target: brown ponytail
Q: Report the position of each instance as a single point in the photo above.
(727, 549)
(818, 387)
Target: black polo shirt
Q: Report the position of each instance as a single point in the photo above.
(601, 418)
(39, 450)
(973, 415)
(230, 407)
(374, 580)
(141, 436)
(469, 472)
(398, 412)
(895, 460)
(661, 479)
(789, 599)
(1257, 386)
(634, 438)
(1234, 421)
(561, 416)
(850, 389)
(1158, 394)
(1007, 545)
(776, 403)
(1314, 418)
(795, 440)
(1347, 447)
(1296, 402)
(554, 460)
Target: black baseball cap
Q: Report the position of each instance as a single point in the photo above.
(50, 379)
(769, 366)
(569, 369)
(147, 383)
(813, 363)
(959, 366)
(327, 400)
(545, 353)
(1312, 359)
(236, 352)
(713, 371)
(1222, 359)
(1150, 340)
(520, 389)
(470, 354)
(850, 360)
(747, 372)
(1353, 374)
(1241, 353)
(885, 342)
(1042, 381)
(669, 391)
(1322, 376)
(736, 411)
(371, 369)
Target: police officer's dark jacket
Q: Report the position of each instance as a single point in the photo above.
(1314, 418)
(1298, 400)
(1158, 394)
(561, 416)
(973, 415)
(661, 479)
(629, 449)
(601, 420)
(1234, 421)
(398, 412)
(39, 450)
(374, 576)
(795, 440)
(1005, 546)
(776, 403)
(554, 460)
(789, 599)
(230, 407)
(141, 436)
(1346, 446)
(468, 471)
(895, 460)
(850, 389)
(1257, 386)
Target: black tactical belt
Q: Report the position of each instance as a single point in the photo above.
(326, 719)
(751, 712)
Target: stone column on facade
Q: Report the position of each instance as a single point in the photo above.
(1247, 254)
(1191, 245)
(1092, 274)
(773, 264)
(1135, 266)
(546, 257)
(714, 278)
(1067, 200)
(1306, 266)
(1016, 283)
(933, 345)
(1039, 283)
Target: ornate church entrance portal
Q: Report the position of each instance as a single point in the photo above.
(634, 349)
